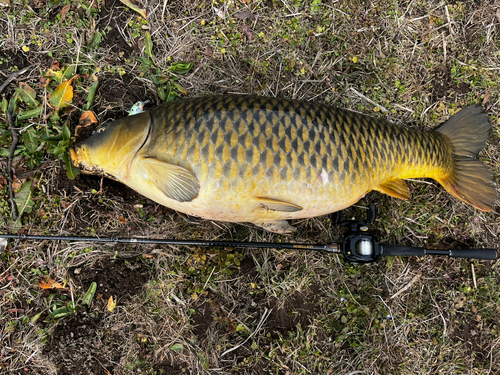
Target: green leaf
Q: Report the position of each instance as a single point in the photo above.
(24, 204)
(161, 93)
(177, 348)
(71, 171)
(180, 68)
(316, 5)
(145, 62)
(89, 296)
(27, 94)
(204, 361)
(91, 96)
(179, 88)
(66, 133)
(58, 313)
(96, 40)
(54, 117)
(170, 95)
(5, 105)
(149, 45)
(35, 112)
(31, 141)
(36, 317)
(13, 103)
(53, 140)
(69, 72)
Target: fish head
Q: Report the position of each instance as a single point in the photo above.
(112, 148)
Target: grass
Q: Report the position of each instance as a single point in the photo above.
(223, 310)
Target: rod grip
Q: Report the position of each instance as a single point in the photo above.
(394, 250)
(482, 254)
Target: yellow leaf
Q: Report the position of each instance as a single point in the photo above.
(62, 95)
(26, 48)
(111, 304)
(354, 59)
(132, 6)
(51, 73)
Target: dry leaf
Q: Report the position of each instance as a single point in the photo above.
(486, 99)
(498, 14)
(87, 118)
(64, 11)
(247, 32)
(16, 184)
(4, 3)
(3, 182)
(111, 304)
(49, 283)
(122, 220)
(244, 15)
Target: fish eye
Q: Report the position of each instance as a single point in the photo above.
(99, 130)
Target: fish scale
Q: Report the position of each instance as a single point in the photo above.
(265, 160)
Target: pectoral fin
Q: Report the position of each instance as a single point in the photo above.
(395, 188)
(277, 205)
(281, 227)
(174, 181)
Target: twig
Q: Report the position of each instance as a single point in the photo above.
(259, 326)
(407, 286)
(13, 76)
(474, 276)
(383, 109)
(15, 138)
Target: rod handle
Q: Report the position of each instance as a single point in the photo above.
(482, 254)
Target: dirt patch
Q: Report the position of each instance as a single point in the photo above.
(166, 368)
(113, 15)
(114, 277)
(202, 319)
(299, 309)
(443, 84)
(68, 340)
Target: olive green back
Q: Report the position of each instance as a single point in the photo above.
(233, 139)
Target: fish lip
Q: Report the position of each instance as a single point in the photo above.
(74, 157)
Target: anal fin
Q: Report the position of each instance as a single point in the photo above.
(395, 188)
(277, 205)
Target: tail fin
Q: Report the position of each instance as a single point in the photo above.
(470, 180)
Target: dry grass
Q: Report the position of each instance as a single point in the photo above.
(222, 311)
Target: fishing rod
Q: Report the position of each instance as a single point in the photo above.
(357, 246)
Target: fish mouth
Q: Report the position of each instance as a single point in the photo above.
(78, 157)
(74, 157)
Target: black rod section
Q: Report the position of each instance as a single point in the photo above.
(332, 248)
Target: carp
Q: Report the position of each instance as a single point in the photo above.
(242, 158)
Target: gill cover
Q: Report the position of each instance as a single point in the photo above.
(111, 149)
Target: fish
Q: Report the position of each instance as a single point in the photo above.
(244, 158)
